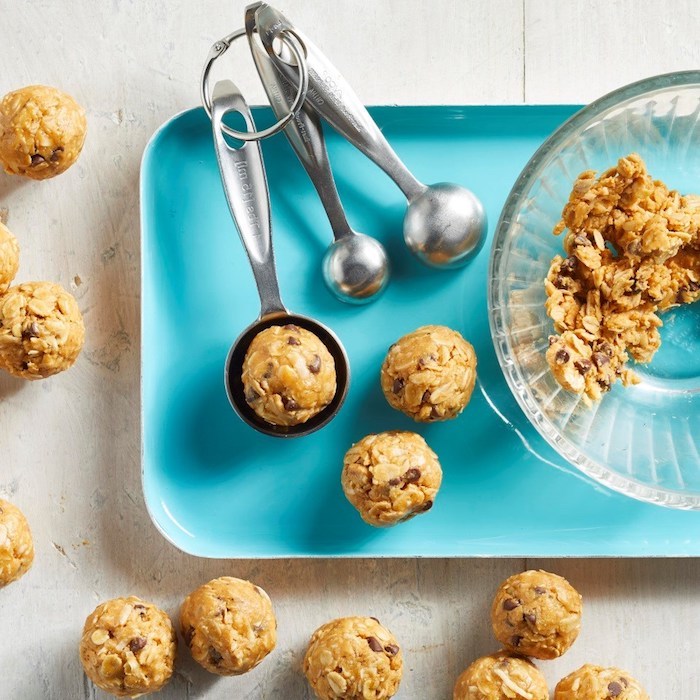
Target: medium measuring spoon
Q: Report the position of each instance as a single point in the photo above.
(355, 266)
(445, 224)
(245, 187)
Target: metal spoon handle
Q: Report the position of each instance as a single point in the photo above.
(305, 134)
(333, 98)
(245, 186)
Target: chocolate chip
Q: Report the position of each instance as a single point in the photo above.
(583, 366)
(426, 507)
(693, 286)
(561, 282)
(31, 332)
(138, 606)
(624, 682)
(315, 365)
(412, 475)
(423, 361)
(426, 396)
(562, 357)
(289, 403)
(398, 386)
(251, 396)
(529, 617)
(374, 644)
(37, 159)
(293, 341)
(137, 643)
(600, 359)
(515, 640)
(55, 154)
(614, 689)
(338, 669)
(394, 482)
(568, 266)
(214, 656)
(539, 590)
(511, 604)
(291, 327)
(375, 619)
(391, 649)
(552, 339)
(607, 349)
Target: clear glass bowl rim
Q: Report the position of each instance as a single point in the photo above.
(497, 303)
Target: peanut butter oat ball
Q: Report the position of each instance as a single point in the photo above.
(598, 683)
(41, 330)
(536, 613)
(501, 676)
(128, 647)
(228, 625)
(429, 374)
(42, 131)
(390, 477)
(353, 658)
(16, 544)
(288, 375)
(9, 257)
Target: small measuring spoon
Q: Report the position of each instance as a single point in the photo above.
(355, 266)
(445, 224)
(245, 187)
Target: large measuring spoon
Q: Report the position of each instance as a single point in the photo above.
(445, 224)
(355, 266)
(245, 187)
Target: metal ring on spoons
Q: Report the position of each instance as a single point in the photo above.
(355, 266)
(219, 49)
(445, 224)
(245, 186)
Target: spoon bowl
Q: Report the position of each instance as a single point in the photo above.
(233, 375)
(356, 268)
(445, 225)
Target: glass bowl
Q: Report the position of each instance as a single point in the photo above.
(644, 440)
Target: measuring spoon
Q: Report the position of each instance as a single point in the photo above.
(245, 187)
(445, 224)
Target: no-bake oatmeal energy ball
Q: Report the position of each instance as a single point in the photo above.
(128, 647)
(288, 375)
(16, 544)
(42, 131)
(390, 477)
(429, 374)
(41, 330)
(228, 625)
(501, 676)
(353, 658)
(536, 613)
(9, 257)
(597, 683)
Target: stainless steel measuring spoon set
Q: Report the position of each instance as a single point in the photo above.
(444, 224)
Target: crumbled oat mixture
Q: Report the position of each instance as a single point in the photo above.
(632, 251)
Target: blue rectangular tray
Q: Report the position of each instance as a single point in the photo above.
(216, 488)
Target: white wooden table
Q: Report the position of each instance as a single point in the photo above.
(70, 446)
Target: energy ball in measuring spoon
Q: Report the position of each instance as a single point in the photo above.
(42, 131)
(288, 375)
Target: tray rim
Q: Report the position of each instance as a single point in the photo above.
(345, 555)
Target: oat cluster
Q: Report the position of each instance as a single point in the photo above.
(632, 251)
